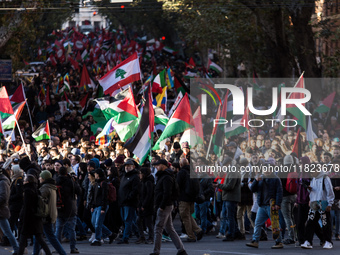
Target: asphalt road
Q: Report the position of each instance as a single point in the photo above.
(209, 245)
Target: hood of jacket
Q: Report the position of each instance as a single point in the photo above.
(50, 183)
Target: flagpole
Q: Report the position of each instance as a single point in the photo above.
(29, 114)
(207, 156)
(22, 138)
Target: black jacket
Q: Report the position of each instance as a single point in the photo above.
(129, 189)
(164, 189)
(69, 191)
(4, 197)
(175, 156)
(268, 188)
(99, 194)
(29, 223)
(207, 188)
(147, 196)
(16, 198)
(182, 179)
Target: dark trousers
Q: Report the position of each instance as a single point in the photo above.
(87, 219)
(148, 223)
(312, 225)
(302, 215)
(39, 238)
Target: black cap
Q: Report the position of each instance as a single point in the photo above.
(176, 145)
(100, 172)
(161, 162)
(129, 162)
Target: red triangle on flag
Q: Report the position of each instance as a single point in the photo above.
(19, 95)
(47, 129)
(328, 101)
(183, 111)
(5, 104)
(192, 62)
(296, 95)
(83, 101)
(128, 104)
(85, 78)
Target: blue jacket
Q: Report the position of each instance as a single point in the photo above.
(267, 189)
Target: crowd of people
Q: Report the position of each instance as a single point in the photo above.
(104, 191)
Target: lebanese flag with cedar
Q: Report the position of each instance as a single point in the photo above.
(126, 72)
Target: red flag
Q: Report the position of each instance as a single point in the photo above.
(74, 64)
(19, 95)
(85, 78)
(48, 96)
(297, 145)
(78, 58)
(83, 101)
(5, 104)
(192, 62)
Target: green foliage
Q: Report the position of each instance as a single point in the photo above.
(33, 28)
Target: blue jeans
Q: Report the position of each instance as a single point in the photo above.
(231, 216)
(336, 217)
(70, 226)
(129, 215)
(98, 223)
(6, 229)
(203, 209)
(262, 215)
(49, 233)
(224, 221)
(80, 227)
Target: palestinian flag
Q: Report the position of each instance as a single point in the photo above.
(291, 108)
(326, 104)
(42, 133)
(215, 67)
(10, 121)
(170, 50)
(160, 116)
(18, 96)
(239, 125)
(311, 132)
(123, 110)
(297, 147)
(198, 125)
(180, 121)
(85, 55)
(126, 72)
(140, 143)
(85, 80)
(5, 105)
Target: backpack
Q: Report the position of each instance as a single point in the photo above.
(42, 208)
(111, 192)
(292, 183)
(60, 202)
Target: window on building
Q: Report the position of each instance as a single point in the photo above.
(97, 24)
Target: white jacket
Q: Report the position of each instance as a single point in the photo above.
(319, 193)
